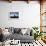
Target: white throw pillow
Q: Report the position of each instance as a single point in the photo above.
(5, 32)
(23, 31)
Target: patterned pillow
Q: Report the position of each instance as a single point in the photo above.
(17, 30)
(11, 30)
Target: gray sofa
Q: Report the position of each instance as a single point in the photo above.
(15, 33)
(22, 38)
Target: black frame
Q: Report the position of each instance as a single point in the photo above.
(14, 14)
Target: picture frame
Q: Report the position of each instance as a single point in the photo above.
(14, 14)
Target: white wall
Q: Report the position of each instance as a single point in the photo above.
(29, 14)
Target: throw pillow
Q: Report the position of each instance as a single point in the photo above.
(17, 30)
(23, 30)
(11, 30)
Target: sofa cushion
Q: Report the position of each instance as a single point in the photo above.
(22, 38)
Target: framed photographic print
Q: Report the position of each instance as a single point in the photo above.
(14, 14)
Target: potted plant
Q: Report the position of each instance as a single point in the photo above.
(37, 33)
